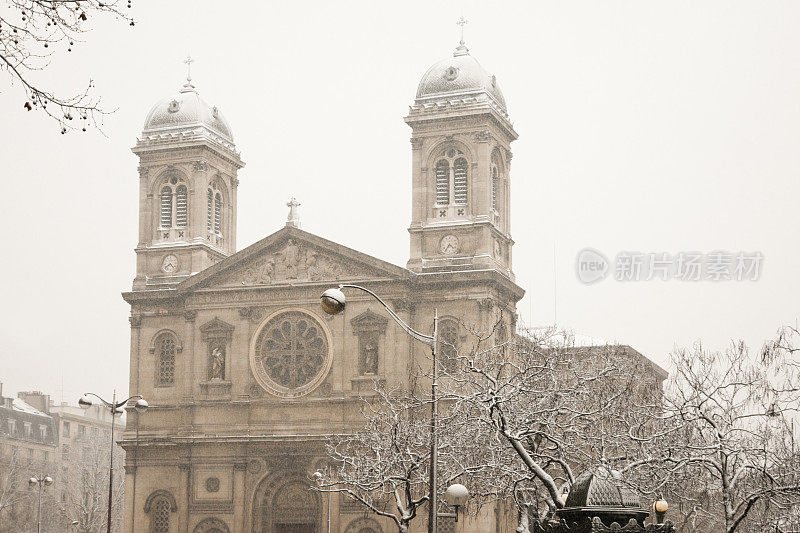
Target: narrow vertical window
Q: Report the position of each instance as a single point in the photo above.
(442, 182)
(210, 219)
(460, 181)
(495, 186)
(166, 362)
(161, 516)
(217, 213)
(166, 207)
(448, 335)
(180, 206)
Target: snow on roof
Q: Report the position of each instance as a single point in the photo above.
(572, 338)
(21, 405)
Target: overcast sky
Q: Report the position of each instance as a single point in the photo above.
(650, 127)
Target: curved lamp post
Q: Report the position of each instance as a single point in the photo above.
(318, 477)
(115, 408)
(333, 302)
(456, 495)
(41, 481)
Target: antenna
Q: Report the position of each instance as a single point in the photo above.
(555, 287)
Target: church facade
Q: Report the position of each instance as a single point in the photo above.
(244, 374)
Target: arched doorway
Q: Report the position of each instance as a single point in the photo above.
(285, 504)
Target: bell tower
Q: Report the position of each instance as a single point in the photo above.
(188, 167)
(461, 155)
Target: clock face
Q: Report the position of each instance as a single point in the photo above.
(448, 244)
(170, 264)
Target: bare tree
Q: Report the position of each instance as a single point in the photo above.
(12, 489)
(32, 31)
(86, 490)
(384, 465)
(554, 410)
(726, 439)
(520, 419)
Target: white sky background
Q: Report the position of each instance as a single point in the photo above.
(654, 127)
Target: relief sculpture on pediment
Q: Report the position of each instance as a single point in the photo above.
(292, 262)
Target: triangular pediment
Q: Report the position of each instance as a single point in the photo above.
(292, 256)
(369, 321)
(215, 329)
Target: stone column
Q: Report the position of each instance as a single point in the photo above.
(183, 498)
(188, 380)
(239, 497)
(129, 506)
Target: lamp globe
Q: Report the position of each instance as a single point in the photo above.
(333, 301)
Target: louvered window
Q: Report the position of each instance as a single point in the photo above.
(460, 181)
(495, 186)
(180, 206)
(210, 219)
(217, 213)
(442, 182)
(166, 207)
(166, 362)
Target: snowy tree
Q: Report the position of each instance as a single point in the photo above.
(385, 465)
(84, 493)
(724, 443)
(12, 489)
(552, 409)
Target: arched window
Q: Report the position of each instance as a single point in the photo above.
(174, 205)
(166, 361)
(180, 206)
(166, 207)
(217, 213)
(160, 505)
(442, 182)
(451, 178)
(460, 181)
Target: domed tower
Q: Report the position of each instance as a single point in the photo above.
(461, 137)
(188, 168)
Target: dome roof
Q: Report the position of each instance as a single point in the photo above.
(185, 110)
(460, 75)
(602, 495)
(601, 489)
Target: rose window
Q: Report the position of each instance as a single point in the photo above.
(291, 353)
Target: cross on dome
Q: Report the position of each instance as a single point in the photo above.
(188, 86)
(462, 22)
(188, 61)
(461, 49)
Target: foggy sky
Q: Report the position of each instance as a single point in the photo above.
(644, 126)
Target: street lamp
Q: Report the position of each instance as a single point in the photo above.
(456, 495)
(318, 476)
(660, 508)
(333, 302)
(41, 481)
(115, 408)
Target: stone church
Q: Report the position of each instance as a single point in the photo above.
(244, 373)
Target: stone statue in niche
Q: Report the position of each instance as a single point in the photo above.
(369, 355)
(218, 363)
(291, 256)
